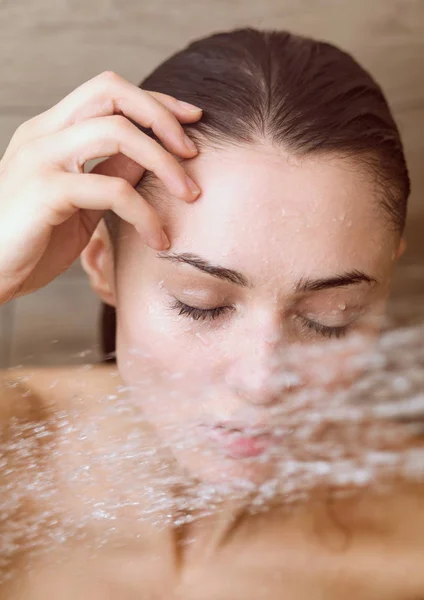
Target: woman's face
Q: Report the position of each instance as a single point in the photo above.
(277, 265)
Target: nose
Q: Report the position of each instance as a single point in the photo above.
(258, 374)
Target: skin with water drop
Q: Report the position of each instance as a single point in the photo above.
(204, 464)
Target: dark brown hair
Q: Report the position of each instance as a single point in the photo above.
(286, 90)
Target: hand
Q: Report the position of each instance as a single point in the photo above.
(49, 207)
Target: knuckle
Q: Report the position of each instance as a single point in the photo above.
(44, 189)
(109, 78)
(21, 132)
(162, 112)
(118, 123)
(122, 188)
(26, 154)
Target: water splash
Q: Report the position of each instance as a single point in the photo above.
(66, 473)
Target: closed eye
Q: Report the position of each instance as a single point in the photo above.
(199, 314)
(210, 314)
(325, 330)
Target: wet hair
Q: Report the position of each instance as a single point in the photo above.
(304, 95)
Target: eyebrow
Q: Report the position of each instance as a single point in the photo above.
(204, 265)
(351, 278)
(303, 286)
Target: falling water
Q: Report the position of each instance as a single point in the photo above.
(365, 435)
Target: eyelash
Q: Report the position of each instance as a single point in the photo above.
(199, 314)
(325, 330)
(210, 314)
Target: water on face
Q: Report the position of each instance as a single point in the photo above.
(64, 475)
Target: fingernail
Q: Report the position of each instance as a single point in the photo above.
(188, 106)
(189, 143)
(193, 187)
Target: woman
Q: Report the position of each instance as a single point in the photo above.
(243, 310)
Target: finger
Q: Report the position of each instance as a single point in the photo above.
(184, 111)
(108, 94)
(120, 165)
(96, 194)
(96, 138)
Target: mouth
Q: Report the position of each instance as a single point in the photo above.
(237, 441)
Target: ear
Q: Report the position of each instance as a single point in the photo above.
(401, 248)
(97, 260)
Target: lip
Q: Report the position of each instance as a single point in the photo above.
(241, 441)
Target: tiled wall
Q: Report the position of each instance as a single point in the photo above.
(49, 47)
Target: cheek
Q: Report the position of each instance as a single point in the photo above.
(342, 362)
(335, 366)
(154, 345)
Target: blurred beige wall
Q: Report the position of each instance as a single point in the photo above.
(49, 47)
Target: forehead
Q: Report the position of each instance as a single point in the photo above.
(261, 204)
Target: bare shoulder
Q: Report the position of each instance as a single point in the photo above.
(30, 402)
(42, 407)
(33, 392)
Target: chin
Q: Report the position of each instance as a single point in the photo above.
(235, 474)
